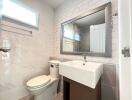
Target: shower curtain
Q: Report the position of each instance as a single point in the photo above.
(97, 33)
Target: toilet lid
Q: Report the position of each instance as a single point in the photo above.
(54, 61)
(39, 81)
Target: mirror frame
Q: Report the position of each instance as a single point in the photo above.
(108, 39)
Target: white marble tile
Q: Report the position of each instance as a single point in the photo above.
(29, 55)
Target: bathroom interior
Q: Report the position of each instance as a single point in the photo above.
(65, 49)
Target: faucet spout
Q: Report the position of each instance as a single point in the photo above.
(85, 59)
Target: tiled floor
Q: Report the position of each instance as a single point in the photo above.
(29, 97)
(59, 96)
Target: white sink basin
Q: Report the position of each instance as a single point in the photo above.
(88, 74)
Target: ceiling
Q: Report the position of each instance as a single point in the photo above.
(96, 18)
(54, 3)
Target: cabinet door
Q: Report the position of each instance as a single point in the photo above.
(76, 91)
(81, 92)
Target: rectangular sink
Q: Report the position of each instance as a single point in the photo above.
(87, 73)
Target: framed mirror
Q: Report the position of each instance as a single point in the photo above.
(89, 33)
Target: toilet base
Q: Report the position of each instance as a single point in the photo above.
(48, 93)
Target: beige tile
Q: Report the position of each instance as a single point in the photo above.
(109, 67)
(108, 93)
(29, 55)
(109, 77)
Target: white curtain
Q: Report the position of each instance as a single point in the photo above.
(97, 38)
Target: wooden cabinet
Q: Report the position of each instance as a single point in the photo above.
(76, 91)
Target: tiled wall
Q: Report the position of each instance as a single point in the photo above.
(109, 83)
(72, 8)
(29, 55)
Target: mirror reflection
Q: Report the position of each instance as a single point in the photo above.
(86, 34)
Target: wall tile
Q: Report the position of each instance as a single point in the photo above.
(108, 93)
(29, 55)
(109, 82)
(72, 8)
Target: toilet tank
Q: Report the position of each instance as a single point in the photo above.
(54, 68)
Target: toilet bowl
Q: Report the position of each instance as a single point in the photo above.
(44, 87)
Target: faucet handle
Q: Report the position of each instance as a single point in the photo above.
(84, 56)
(85, 59)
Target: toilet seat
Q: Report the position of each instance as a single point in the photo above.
(38, 81)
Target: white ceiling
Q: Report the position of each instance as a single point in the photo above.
(96, 18)
(54, 3)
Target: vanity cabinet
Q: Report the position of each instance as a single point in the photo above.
(76, 91)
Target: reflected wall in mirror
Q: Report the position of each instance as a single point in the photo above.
(88, 34)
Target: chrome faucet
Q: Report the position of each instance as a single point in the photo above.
(85, 59)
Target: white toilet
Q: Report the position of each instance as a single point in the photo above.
(45, 87)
